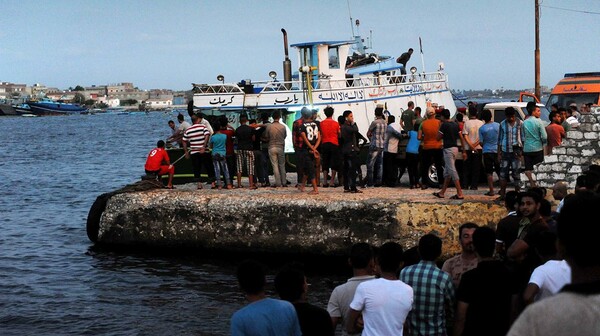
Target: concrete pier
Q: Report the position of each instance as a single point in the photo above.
(282, 220)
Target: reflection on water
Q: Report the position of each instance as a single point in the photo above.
(54, 282)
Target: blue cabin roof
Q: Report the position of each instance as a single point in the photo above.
(330, 43)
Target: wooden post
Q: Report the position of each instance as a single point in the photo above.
(537, 50)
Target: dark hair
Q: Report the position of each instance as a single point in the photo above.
(553, 114)
(251, 276)
(576, 230)
(484, 241)
(417, 109)
(467, 225)
(411, 256)
(472, 111)
(390, 257)
(459, 117)
(391, 119)
(289, 282)
(446, 113)
(379, 111)
(346, 113)
(510, 199)
(411, 103)
(160, 144)
(170, 122)
(531, 107)
(360, 255)
(510, 111)
(243, 116)
(562, 109)
(486, 115)
(276, 114)
(341, 119)
(536, 196)
(264, 116)
(180, 116)
(223, 122)
(430, 247)
(328, 111)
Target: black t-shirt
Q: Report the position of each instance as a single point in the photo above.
(311, 129)
(314, 321)
(450, 130)
(488, 289)
(243, 134)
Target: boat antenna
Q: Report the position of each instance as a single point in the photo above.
(350, 15)
(422, 59)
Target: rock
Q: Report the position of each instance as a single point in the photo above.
(282, 220)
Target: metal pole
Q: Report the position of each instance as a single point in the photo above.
(537, 50)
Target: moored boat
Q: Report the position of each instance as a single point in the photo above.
(330, 73)
(46, 106)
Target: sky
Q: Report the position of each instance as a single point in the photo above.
(169, 44)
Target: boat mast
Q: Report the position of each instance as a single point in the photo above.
(537, 50)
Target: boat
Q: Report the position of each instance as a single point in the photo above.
(47, 106)
(338, 73)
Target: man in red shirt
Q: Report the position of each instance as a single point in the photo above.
(158, 163)
(329, 149)
(555, 132)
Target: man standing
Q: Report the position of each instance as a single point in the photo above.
(384, 302)
(449, 133)
(471, 146)
(329, 150)
(403, 59)
(245, 151)
(535, 138)
(349, 140)
(467, 259)
(263, 315)
(488, 136)
(555, 132)
(275, 134)
(390, 153)
(158, 163)
(363, 263)
(510, 149)
(198, 136)
(311, 136)
(431, 146)
(433, 290)
(408, 117)
(376, 135)
(486, 294)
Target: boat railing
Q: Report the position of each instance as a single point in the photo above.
(321, 83)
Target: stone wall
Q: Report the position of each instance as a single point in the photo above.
(578, 151)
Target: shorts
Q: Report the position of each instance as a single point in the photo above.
(490, 163)
(330, 157)
(533, 158)
(450, 155)
(164, 170)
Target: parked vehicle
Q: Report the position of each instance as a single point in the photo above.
(579, 88)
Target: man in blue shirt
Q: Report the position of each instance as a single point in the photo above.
(535, 138)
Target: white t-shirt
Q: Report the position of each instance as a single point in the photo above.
(342, 295)
(385, 304)
(551, 277)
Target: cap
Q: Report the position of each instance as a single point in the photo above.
(573, 104)
(430, 111)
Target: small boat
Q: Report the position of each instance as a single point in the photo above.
(46, 106)
(331, 73)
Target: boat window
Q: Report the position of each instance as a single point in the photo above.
(334, 58)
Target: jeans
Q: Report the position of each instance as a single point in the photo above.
(220, 164)
(277, 157)
(350, 165)
(375, 160)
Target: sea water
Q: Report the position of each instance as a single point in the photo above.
(53, 281)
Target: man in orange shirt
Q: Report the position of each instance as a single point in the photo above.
(431, 146)
(158, 163)
(555, 132)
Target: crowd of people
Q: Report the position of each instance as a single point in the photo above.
(409, 143)
(525, 276)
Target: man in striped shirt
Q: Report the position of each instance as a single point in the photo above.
(376, 135)
(198, 136)
(434, 291)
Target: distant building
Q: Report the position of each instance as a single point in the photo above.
(157, 104)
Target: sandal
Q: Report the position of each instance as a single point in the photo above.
(438, 195)
(456, 197)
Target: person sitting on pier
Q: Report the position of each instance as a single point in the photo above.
(158, 163)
